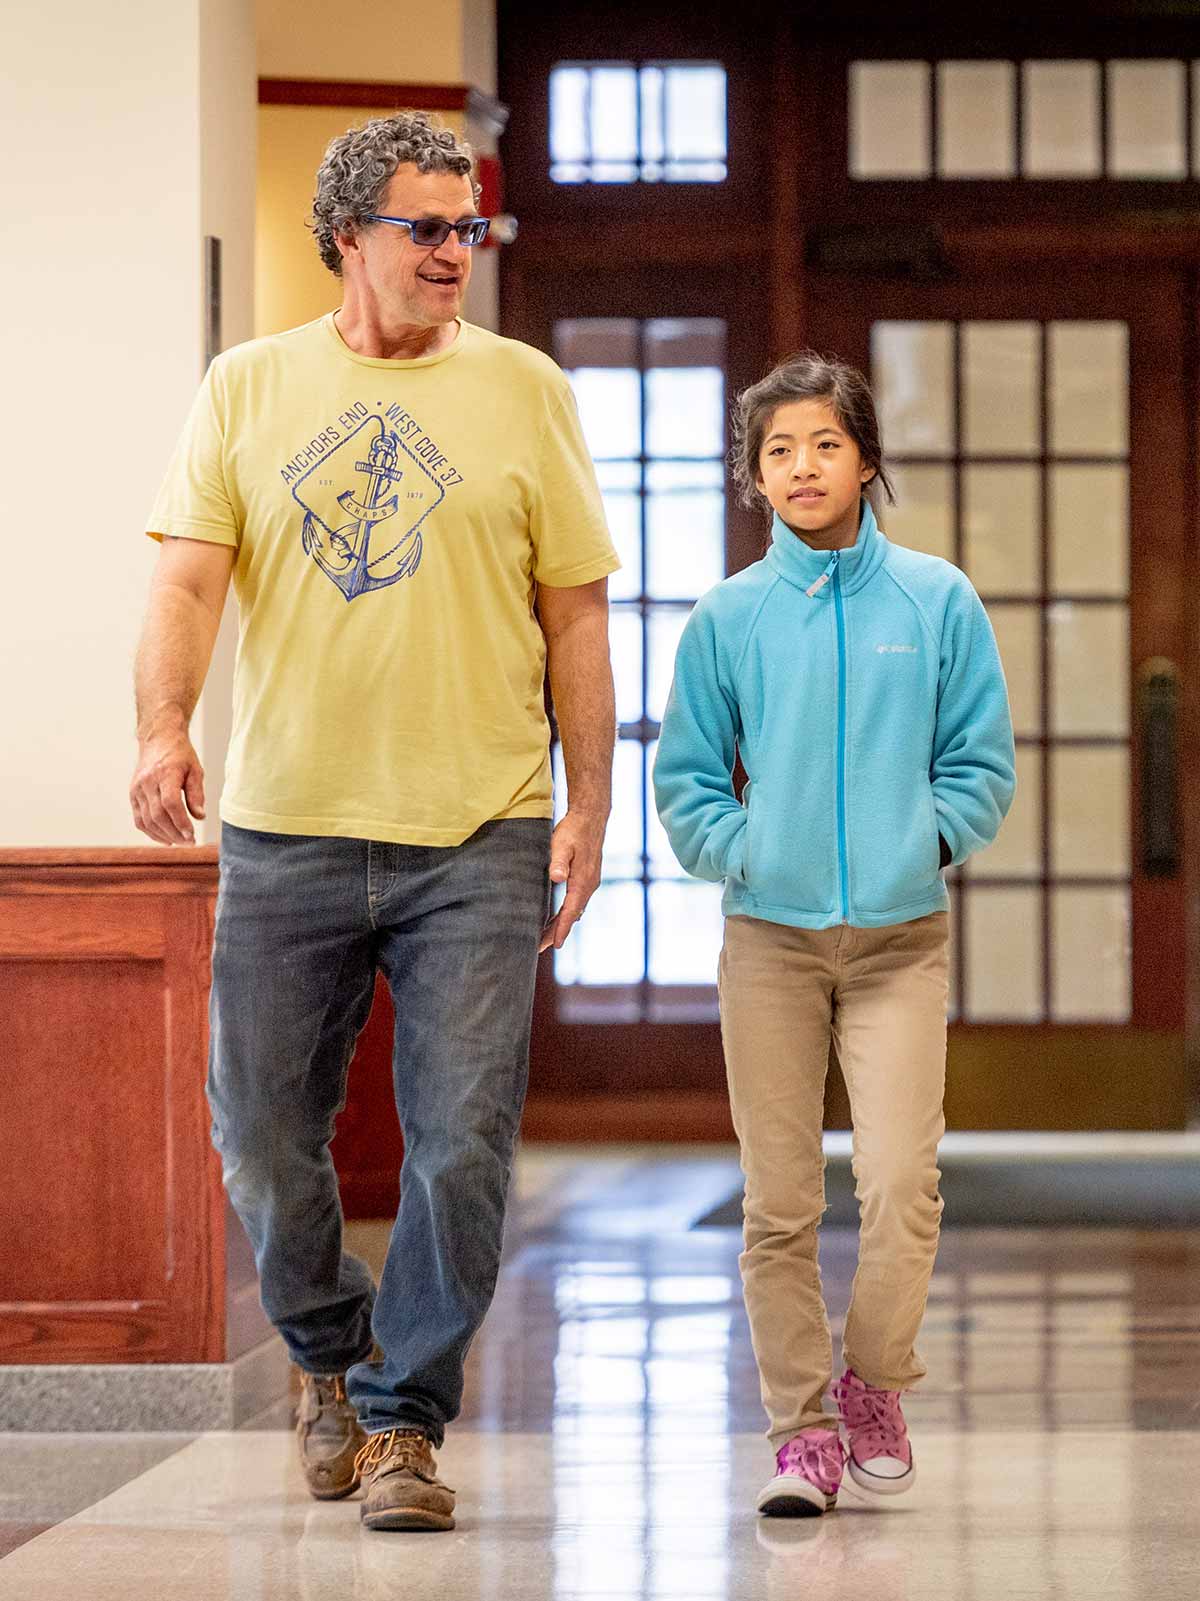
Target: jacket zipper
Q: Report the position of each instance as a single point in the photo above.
(843, 855)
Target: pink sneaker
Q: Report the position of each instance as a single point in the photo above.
(880, 1458)
(807, 1478)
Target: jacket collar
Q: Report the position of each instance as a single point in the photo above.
(801, 565)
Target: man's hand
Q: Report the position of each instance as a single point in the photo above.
(168, 784)
(575, 861)
(186, 596)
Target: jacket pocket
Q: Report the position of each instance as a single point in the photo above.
(790, 858)
(899, 856)
(743, 872)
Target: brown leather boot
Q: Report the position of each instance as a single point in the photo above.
(330, 1436)
(403, 1490)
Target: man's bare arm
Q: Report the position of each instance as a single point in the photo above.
(575, 623)
(187, 596)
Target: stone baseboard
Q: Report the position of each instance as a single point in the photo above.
(143, 1398)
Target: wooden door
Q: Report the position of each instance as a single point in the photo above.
(625, 1035)
(1039, 427)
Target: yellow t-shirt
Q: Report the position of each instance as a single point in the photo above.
(391, 520)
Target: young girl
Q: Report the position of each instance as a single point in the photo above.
(861, 685)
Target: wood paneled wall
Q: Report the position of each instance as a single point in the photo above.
(112, 1244)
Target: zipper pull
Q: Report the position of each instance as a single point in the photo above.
(815, 589)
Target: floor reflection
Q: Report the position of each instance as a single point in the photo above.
(611, 1444)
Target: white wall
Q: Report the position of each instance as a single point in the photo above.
(111, 139)
(229, 118)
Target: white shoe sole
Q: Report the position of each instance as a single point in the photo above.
(877, 1483)
(790, 1497)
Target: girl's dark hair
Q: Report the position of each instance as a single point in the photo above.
(807, 376)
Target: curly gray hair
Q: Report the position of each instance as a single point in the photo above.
(358, 166)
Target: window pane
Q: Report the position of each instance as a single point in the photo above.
(608, 945)
(613, 123)
(1004, 955)
(664, 624)
(568, 114)
(1147, 136)
(1091, 979)
(1018, 634)
(1089, 519)
(1002, 516)
(685, 527)
(595, 127)
(596, 342)
(889, 119)
(625, 643)
(623, 839)
(923, 516)
(685, 932)
(685, 409)
(653, 145)
(613, 172)
(1062, 119)
(662, 858)
(684, 341)
(1016, 851)
(695, 113)
(1091, 813)
(1002, 388)
(694, 171)
(913, 365)
(610, 409)
(1089, 669)
(976, 119)
(619, 481)
(1089, 388)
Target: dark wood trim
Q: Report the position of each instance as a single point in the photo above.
(385, 96)
(360, 92)
(1140, 1074)
(594, 1119)
(123, 870)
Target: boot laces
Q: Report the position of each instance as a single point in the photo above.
(399, 1448)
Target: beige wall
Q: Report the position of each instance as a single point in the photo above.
(407, 41)
(104, 331)
(140, 148)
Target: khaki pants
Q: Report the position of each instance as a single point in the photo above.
(881, 993)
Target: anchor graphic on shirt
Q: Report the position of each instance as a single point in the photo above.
(364, 537)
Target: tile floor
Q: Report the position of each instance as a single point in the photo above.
(610, 1448)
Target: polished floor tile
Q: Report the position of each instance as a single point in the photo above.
(610, 1445)
(639, 1517)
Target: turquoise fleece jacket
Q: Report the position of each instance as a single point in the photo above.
(864, 691)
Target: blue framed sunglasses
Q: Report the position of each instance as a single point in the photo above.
(430, 231)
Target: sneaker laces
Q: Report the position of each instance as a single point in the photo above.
(399, 1448)
(874, 1418)
(816, 1455)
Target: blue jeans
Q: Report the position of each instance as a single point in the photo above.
(302, 924)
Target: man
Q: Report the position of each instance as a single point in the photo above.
(414, 532)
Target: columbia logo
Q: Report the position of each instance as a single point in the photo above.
(896, 650)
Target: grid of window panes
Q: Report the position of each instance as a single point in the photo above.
(613, 122)
(651, 396)
(1024, 119)
(1011, 441)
